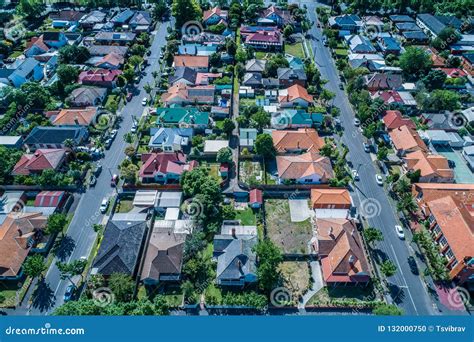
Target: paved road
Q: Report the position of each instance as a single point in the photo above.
(80, 235)
(409, 291)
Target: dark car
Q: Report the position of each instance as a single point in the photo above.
(92, 181)
(69, 293)
(451, 163)
(98, 170)
(413, 265)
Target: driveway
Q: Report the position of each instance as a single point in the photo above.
(299, 210)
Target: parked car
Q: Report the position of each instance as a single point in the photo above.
(413, 265)
(366, 147)
(144, 101)
(134, 128)
(379, 179)
(69, 292)
(108, 143)
(400, 232)
(98, 170)
(341, 86)
(356, 122)
(114, 181)
(355, 175)
(104, 205)
(113, 133)
(92, 181)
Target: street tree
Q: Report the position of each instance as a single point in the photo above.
(224, 155)
(388, 268)
(372, 235)
(71, 269)
(34, 266)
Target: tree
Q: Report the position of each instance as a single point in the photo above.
(130, 151)
(160, 9)
(185, 11)
(434, 79)
(275, 62)
(30, 8)
(382, 153)
(327, 96)
(97, 227)
(228, 212)
(260, 119)
(228, 126)
(415, 62)
(224, 155)
(388, 268)
(69, 143)
(9, 157)
(372, 234)
(269, 257)
(129, 173)
(148, 88)
(387, 310)
(73, 54)
(67, 74)
(34, 266)
(231, 47)
(445, 38)
(122, 286)
(264, 145)
(135, 61)
(72, 269)
(55, 224)
(288, 31)
(129, 74)
(161, 307)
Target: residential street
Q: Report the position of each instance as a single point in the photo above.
(80, 236)
(409, 291)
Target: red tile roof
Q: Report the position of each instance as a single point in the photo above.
(256, 196)
(42, 159)
(393, 119)
(453, 72)
(75, 116)
(306, 139)
(99, 75)
(155, 163)
(296, 92)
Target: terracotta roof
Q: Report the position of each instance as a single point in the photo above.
(216, 10)
(405, 139)
(112, 59)
(180, 91)
(268, 37)
(306, 139)
(430, 165)
(99, 75)
(341, 251)
(154, 163)
(453, 72)
(17, 235)
(463, 194)
(323, 197)
(304, 165)
(393, 119)
(191, 61)
(296, 92)
(38, 42)
(256, 196)
(380, 81)
(42, 159)
(456, 224)
(75, 116)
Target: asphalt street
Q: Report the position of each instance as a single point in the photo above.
(80, 235)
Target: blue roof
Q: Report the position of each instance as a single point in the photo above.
(389, 43)
(418, 35)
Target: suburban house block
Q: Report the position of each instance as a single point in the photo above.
(214, 16)
(350, 23)
(383, 81)
(75, 117)
(99, 77)
(307, 168)
(300, 141)
(294, 96)
(183, 117)
(40, 160)
(288, 77)
(181, 94)
(330, 199)
(197, 63)
(54, 137)
(255, 65)
(434, 168)
(21, 71)
(164, 167)
(295, 118)
(87, 96)
(406, 140)
(393, 119)
(65, 18)
(112, 38)
(275, 16)
(170, 139)
(434, 24)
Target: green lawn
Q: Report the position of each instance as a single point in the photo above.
(341, 52)
(8, 294)
(295, 50)
(220, 124)
(246, 217)
(124, 206)
(328, 294)
(261, 55)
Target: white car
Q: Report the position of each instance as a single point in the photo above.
(113, 133)
(144, 101)
(379, 179)
(366, 147)
(400, 232)
(104, 205)
(356, 122)
(355, 174)
(134, 128)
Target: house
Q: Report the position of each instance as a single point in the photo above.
(170, 139)
(389, 45)
(300, 141)
(36, 46)
(307, 168)
(438, 61)
(120, 249)
(256, 198)
(113, 38)
(468, 155)
(87, 96)
(275, 16)
(211, 147)
(163, 258)
(236, 259)
(468, 114)
(373, 22)
(434, 24)
(370, 61)
(330, 199)
(54, 39)
(40, 160)
(198, 63)
(75, 117)
(294, 96)
(435, 137)
(48, 199)
(468, 62)
(215, 16)
(204, 38)
(340, 248)
(164, 167)
(54, 137)
(393, 120)
(19, 233)
(159, 200)
(197, 49)
(453, 72)
(141, 21)
(11, 141)
(439, 121)
(401, 18)
(295, 118)
(348, 22)
(450, 223)
(415, 37)
(183, 116)
(206, 78)
(103, 50)
(288, 77)
(265, 40)
(405, 140)
(433, 168)
(359, 44)
(21, 71)
(255, 65)
(383, 81)
(88, 21)
(122, 17)
(181, 94)
(247, 138)
(111, 61)
(402, 98)
(65, 18)
(185, 75)
(253, 80)
(99, 77)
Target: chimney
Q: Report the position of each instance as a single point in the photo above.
(239, 265)
(76, 120)
(330, 231)
(234, 235)
(19, 232)
(351, 260)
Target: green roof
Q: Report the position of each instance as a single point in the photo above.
(176, 115)
(301, 117)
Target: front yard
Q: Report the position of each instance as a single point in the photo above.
(327, 295)
(290, 237)
(124, 206)
(295, 278)
(295, 49)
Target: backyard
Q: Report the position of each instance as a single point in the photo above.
(295, 49)
(251, 172)
(246, 216)
(124, 206)
(290, 237)
(295, 278)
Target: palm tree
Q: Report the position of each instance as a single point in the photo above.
(69, 143)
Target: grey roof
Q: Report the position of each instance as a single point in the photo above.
(252, 79)
(185, 73)
(255, 65)
(141, 18)
(102, 50)
(436, 23)
(115, 36)
(410, 26)
(401, 18)
(416, 35)
(291, 74)
(235, 257)
(123, 17)
(120, 247)
(55, 135)
(87, 94)
(26, 67)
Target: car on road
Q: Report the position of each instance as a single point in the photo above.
(69, 292)
(113, 133)
(104, 205)
(413, 265)
(108, 143)
(98, 170)
(337, 121)
(114, 181)
(144, 101)
(341, 86)
(366, 147)
(400, 232)
(379, 179)
(134, 128)
(129, 96)
(92, 181)
(355, 175)
(356, 122)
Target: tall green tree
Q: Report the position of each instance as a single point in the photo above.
(122, 286)
(415, 62)
(372, 235)
(270, 257)
(71, 269)
(264, 145)
(34, 266)
(185, 11)
(56, 223)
